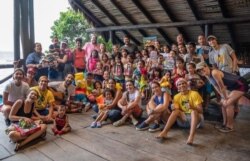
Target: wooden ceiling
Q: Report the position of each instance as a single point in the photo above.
(105, 13)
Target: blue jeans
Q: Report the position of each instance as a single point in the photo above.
(114, 114)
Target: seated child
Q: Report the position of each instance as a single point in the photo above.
(108, 95)
(165, 82)
(61, 122)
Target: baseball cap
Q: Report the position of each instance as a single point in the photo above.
(200, 65)
(211, 36)
(180, 80)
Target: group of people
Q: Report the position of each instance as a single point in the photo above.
(178, 81)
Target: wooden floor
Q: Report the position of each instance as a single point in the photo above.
(125, 143)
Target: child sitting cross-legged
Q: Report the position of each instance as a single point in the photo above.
(108, 97)
(61, 122)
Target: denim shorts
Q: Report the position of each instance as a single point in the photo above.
(187, 123)
(43, 112)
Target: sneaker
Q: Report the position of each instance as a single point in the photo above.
(94, 116)
(226, 130)
(7, 122)
(93, 125)
(142, 126)
(98, 125)
(118, 123)
(154, 127)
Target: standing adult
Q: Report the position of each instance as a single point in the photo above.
(79, 57)
(230, 87)
(131, 48)
(187, 111)
(203, 48)
(222, 56)
(14, 90)
(34, 60)
(90, 46)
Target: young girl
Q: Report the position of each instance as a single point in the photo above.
(140, 77)
(105, 62)
(61, 122)
(106, 77)
(129, 68)
(178, 72)
(124, 56)
(98, 72)
(156, 75)
(108, 95)
(194, 80)
(94, 58)
(117, 70)
(165, 83)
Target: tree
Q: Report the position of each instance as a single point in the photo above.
(70, 25)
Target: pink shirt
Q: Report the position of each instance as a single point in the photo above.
(88, 47)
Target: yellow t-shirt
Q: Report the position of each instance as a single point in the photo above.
(44, 98)
(183, 102)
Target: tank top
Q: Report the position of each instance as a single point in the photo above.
(158, 101)
(79, 61)
(21, 112)
(60, 121)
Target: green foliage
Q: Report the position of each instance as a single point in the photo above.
(70, 25)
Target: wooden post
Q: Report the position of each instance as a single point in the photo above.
(208, 30)
(16, 30)
(111, 38)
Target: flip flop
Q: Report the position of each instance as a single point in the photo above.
(160, 139)
(17, 147)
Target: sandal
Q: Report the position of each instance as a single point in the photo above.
(226, 130)
(17, 147)
(43, 135)
(219, 126)
(118, 123)
(160, 139)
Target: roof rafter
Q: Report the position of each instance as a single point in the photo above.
(152, 20)
(92, 17)
(129, 18)
(196, 14)
(113, 19)
(172, 18)
(225, 14)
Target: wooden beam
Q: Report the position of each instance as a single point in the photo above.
(172, 18)
(114, 20)
(225, 14)
(92, 17)
(195, 13)
(173, 24)
(152, 20)
(129, 18)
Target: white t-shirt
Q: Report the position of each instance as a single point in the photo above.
(133, 96)
(16, 92)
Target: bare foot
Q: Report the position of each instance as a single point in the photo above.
(190, 141)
